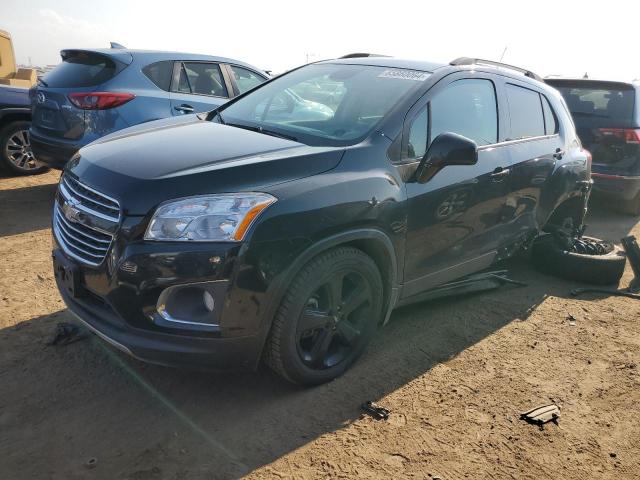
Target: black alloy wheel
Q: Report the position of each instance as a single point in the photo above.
(326, 318)
(331, 325)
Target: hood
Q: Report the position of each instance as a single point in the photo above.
(147, 164)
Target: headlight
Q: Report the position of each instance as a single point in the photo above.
(224, 217)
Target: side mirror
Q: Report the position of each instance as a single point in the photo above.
(445, 150)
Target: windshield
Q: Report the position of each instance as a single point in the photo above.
(324, 104)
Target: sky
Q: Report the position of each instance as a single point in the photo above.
(560, 37)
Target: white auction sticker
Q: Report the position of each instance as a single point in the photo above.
(405, 74)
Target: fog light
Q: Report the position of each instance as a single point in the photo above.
(195, 305)
(208, 300)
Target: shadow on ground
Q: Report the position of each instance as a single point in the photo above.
(26, 209)
(164, 423)
(145, 422)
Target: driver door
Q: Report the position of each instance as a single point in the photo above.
(458, 219)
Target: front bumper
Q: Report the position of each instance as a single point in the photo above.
(616, 186)
(163, 348)
(120, 306)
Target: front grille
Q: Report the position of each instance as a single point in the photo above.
(92, 200)
(84, 221)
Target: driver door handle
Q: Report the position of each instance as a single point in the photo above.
(499, 173)
(184, 108)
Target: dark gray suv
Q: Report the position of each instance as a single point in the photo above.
(256, 231)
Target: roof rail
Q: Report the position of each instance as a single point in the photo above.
(361, 55)
(480, 61)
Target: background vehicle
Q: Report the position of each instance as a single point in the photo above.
(16, 156)
(234, 236)
(607, 119)
(96, 92)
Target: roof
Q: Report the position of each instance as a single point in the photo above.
(159, 55)
(390, 62)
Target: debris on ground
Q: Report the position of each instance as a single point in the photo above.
(475, 283)
(67, 333)
(375, 411)
(576, 292)
(572, 320)
(541, 415)
(632, 250)
(91, 463)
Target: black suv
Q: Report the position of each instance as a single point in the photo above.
(607, 118)
(256, 231)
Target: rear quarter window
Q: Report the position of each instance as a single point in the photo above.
(160, 73)
(81, 70)
(550, 120)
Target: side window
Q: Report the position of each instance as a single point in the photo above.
(550, 122)
(183, 82)
(466, 107)
(201, 79)
(245, 79)
(160, 73)
(417, 145)
(525, 111)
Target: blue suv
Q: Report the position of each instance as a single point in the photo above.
(96, 92)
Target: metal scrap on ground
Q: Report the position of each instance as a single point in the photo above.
(541, 415)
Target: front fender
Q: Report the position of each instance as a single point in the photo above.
(370, 236)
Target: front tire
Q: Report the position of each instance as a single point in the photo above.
(327, 317)
(15, 150)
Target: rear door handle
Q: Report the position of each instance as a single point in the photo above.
(184, 108)
(499, 173)
(559, 154)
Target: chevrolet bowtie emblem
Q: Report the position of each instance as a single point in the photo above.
(71, 212)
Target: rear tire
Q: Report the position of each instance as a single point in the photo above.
(327, 317)
(16, 156)
(549, 256)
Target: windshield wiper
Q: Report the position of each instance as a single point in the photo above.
(264, 131)
(277, 134)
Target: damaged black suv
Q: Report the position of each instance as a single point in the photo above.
(287, 224)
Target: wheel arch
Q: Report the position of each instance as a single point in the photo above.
(11, 115)
(372, 241)
(574, 207)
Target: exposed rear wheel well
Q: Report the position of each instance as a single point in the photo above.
(569, 211)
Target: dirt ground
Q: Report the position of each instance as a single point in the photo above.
(455, 375)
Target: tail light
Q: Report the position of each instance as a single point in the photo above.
(99, 100)
(628, 135)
